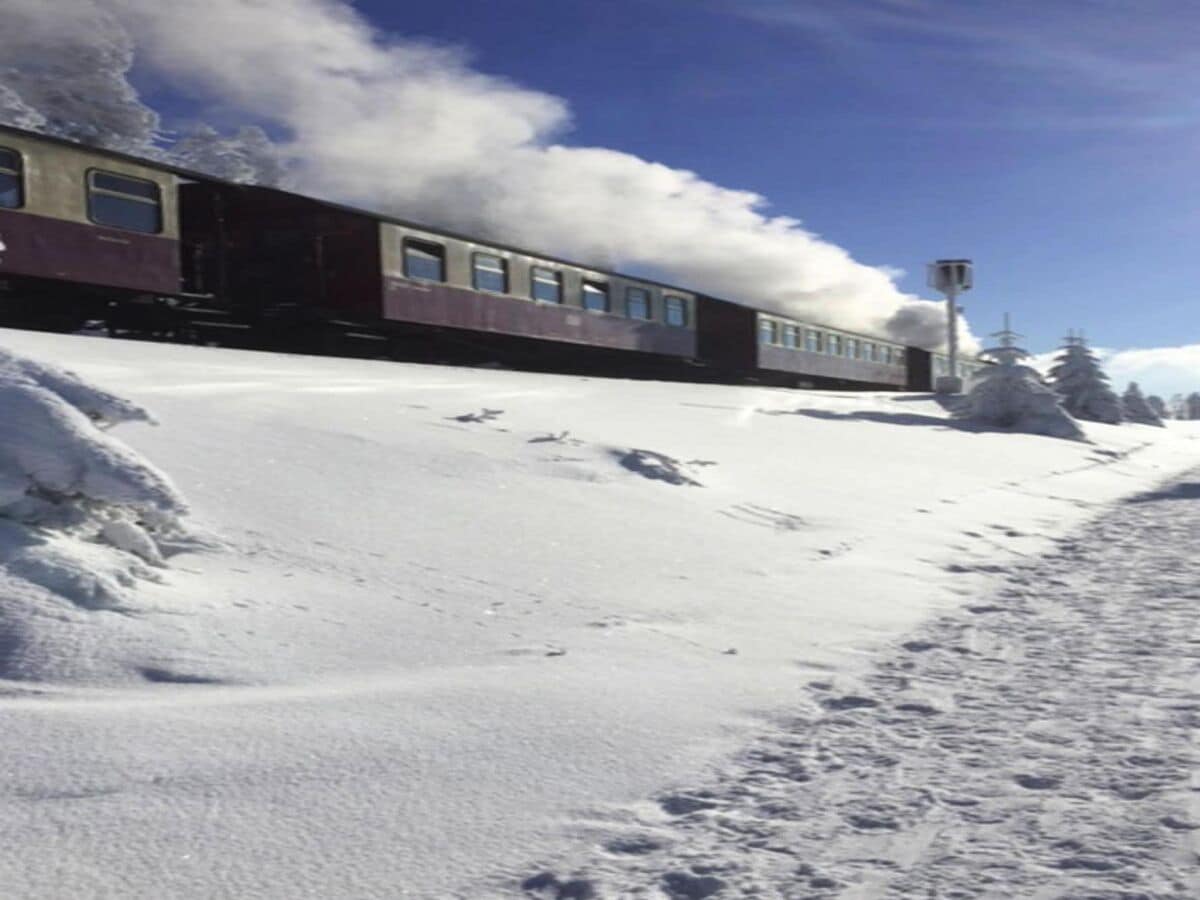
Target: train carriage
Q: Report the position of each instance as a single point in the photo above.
(780, 350)
(458, 283)
(72, 218)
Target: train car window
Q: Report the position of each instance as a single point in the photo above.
(490, 273)
(791, 336)
(424, 260)
(885, 354)
(12, 187)
(812, 340)
(897, 356)
(852, 348)
(547, 285)
(119, 201)
(676, 311)
(637, 303)
(868, 351)
(595, 296)
(768, 331)
(835, 345)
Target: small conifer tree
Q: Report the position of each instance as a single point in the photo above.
(1137, 408)
(1082, 384)
(1157, 404)
(1012, 396)
(1192, 405)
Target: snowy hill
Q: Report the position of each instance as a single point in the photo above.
(444, 615)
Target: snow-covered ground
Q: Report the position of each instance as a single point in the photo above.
(441, 628)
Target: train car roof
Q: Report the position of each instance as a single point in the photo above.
(192, 175)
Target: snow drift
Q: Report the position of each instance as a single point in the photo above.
(474, 614)
(83, 517)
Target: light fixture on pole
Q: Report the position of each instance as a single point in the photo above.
(951, 277)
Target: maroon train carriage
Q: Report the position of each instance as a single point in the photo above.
(78, 228)
(779, 350)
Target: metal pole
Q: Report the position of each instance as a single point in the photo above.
(952, 319)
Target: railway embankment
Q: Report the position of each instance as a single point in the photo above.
(454, 609)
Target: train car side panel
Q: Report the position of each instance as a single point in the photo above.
(820, 365)
(54, 234)
(435, 280)
(267, 250)
(727, 336)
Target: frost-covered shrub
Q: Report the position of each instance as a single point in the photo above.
(62, 473)
(1138, 408)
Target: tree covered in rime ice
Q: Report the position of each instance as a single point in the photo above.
(68, 76)
(1137, 408)
(1012, 396)
(1083, 386)
(1157, 404)
(248, 156)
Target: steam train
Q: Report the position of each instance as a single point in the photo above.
(151, 250)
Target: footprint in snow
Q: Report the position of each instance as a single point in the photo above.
(656, 466)
(484, 415)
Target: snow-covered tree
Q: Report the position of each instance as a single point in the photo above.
(1157, 404)
(1012, 396)
(66, 76)
(1191, 406)
(248, 156)
(1137, 408)
(1082, 384)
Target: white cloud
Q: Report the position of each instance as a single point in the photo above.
(404, 126)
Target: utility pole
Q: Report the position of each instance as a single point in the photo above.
(951, 277)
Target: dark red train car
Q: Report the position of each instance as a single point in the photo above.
(776, 349)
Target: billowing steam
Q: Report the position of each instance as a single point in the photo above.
(402, 126)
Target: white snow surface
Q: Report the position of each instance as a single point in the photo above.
(451, 618)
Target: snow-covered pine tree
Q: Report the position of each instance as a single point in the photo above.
(1012, 396)
(1192, 405)
(1082, 384)
(1137, 408)
(1157, 404)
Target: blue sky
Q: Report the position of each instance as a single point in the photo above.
(1053, 143)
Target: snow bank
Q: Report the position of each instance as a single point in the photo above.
(82, 516)
(472, 613)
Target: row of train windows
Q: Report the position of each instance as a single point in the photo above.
(941, 366)
(788, 336)
(118, 201)
(426, 261)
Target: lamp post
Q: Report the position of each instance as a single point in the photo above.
(951, 277)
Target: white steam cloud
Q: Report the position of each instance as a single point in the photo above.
(402, 126)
